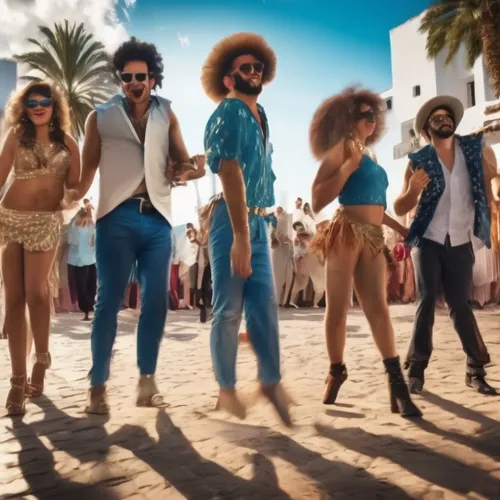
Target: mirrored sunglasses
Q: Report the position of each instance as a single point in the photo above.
(44, 103)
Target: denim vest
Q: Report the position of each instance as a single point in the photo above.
(428, 160)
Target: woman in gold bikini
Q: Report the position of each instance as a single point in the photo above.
(44, 163)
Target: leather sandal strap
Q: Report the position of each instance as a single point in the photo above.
(42, 358)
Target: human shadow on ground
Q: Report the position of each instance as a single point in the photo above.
(331, 476)
(176, 460)
(460, 410)
(419, 460)
(487, 443)
(83, 438)
(38, 469)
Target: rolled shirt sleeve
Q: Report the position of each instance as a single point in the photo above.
(224, 135)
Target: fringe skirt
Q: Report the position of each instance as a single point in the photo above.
(341, 232)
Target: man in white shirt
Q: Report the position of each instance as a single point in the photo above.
(452, 182)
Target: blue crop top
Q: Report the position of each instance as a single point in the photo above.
(366, 186)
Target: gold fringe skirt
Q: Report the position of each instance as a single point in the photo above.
(343, 231)
(35, 231)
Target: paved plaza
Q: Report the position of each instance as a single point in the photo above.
(354, 450)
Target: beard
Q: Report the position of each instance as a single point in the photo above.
(444, 132)
(244, 87)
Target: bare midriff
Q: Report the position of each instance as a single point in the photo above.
(42, 194)
(365, 214)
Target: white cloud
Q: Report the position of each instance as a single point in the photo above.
(21, 18)
(183, 40)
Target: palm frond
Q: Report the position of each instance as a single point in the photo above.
(75, 61)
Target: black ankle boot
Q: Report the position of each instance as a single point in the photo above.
(398, 391)
(336, 377)
(416, 377)
(478, 382)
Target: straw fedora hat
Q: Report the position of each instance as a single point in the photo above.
(442, 101)
(219, 62)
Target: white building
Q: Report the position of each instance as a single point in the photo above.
(415, 79)
(8, 81)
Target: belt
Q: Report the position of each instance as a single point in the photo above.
(259, 211)
(145, 205)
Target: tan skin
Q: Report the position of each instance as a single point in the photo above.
(26, 274)
(91, 154)
(370, 275)
(416, 182)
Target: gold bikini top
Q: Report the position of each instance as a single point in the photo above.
(41, 160)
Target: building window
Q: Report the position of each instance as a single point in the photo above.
(471, 94)
(416, 90)
(388, 102)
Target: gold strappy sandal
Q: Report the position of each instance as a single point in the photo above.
(17, 384)
(45, 361)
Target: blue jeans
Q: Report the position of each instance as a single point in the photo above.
(231, 295)
(123, 237)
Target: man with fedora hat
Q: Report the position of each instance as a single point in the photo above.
(239, 151)
(452, 182)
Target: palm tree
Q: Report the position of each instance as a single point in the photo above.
(474, 23)
(77, 63)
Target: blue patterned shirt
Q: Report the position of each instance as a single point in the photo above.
(233, 133)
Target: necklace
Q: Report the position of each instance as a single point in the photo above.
(359, 145)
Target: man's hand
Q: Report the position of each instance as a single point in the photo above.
(418, 181)
(495, 188)
(241, 254)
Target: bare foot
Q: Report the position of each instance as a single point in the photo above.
(229, 402)
(280, 400)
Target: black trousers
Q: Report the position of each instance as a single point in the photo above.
(205, 292)
(443, 267)
(86, 285)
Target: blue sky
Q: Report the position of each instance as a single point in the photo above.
(322, 46)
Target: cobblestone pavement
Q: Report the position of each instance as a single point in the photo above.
(356, 449)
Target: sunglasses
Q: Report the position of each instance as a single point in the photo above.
(139, 77)
(439, 119)
(249, 68)
(44, 103)
(369, 116)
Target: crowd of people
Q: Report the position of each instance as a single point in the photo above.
(244, 259)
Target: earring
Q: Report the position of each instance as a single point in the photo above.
(51, 126)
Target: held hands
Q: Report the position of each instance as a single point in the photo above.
(241, 254)
(70, 199)
(180, 173)
(418, 181)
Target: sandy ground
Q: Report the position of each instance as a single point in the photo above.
(356, 449)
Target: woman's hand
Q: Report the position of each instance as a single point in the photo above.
(70, 199)
(353, 155)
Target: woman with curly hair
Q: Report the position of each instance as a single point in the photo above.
(43, 160)
(352, 244)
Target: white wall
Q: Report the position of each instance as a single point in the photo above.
(410, 67)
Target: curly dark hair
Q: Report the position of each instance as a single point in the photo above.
(135, 50)
(23, 127)
(336, 118)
